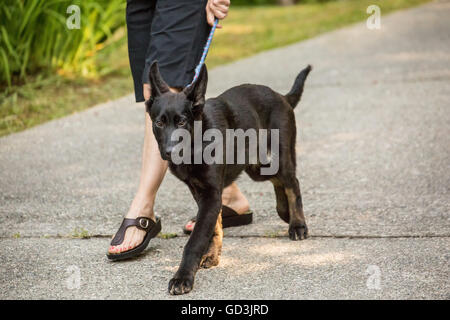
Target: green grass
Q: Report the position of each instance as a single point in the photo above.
(80, 233)
(272, 234)
(167, 235)
(34, 37)
(247, 30)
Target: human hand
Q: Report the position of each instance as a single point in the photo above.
(216, 9)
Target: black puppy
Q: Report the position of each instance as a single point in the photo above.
(242, 107)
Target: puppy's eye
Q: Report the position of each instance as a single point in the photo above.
(159, 123)
(181, 123)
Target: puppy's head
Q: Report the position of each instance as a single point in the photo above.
(170, 111)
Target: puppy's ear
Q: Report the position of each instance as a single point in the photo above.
(157, 84)
(196, 92)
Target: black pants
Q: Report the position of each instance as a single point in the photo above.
(173, 32)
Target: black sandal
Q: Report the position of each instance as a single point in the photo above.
(143, 223)
(230, 218)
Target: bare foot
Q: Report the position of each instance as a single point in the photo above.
(140, 207)
(231, 197)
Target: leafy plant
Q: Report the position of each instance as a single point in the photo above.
(34, 37)
(167, 235)
(80, 233)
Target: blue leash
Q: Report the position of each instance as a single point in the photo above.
(205, 52)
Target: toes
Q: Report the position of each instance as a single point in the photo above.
(120, 248)
(209, 262)
(133, 245)
(305, 231)
(180, 285)
(292, 234)
(190, 226)
(298, 232)
(133, 238)
(127, 247)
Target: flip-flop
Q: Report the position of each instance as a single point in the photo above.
(230, 218)
(142, 223)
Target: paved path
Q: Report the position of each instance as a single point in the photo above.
(374, 169)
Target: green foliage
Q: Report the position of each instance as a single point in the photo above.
(34, 37)
(270, 2)
(252, 2)
(80, 233)
(167, 235)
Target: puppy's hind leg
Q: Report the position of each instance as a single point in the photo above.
(297, 223)
(212, 256)
(282, 200)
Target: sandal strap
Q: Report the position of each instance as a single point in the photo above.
(226, 212)
(142, 223)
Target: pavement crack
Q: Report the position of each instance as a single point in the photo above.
(314, 236)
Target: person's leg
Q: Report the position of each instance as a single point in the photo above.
(139, 17)
(232, 197)
(153, 171)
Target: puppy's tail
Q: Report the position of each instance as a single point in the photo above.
(293, 97)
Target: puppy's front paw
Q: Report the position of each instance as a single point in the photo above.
(298, 231)
(181, 285)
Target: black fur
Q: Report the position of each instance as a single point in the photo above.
(245, 106)
(293, 97)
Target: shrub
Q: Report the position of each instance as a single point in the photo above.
(34, 37)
